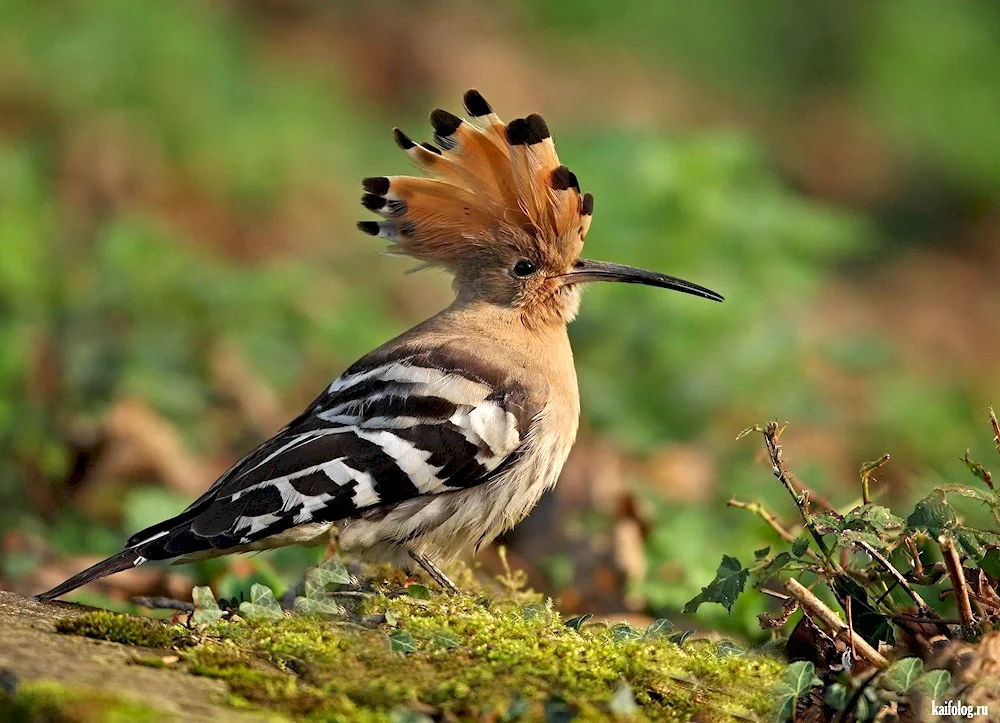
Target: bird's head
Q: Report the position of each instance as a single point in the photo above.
(501, 213)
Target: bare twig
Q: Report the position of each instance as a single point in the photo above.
(897, 576)
(775, 594)
(815, 607)
(850, 629)
(957, 575)
(759, 510)
(918, 567)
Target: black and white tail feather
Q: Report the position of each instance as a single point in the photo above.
(414, 424)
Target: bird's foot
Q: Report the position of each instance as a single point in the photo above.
(437, 575)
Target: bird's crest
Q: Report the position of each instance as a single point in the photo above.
(490, 183)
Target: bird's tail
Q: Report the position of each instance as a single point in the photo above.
(122, 561)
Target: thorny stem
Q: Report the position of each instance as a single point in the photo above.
(996, 428)
(815, 607)
(771, 435)
(957, 575)
(897, 576)
(918, 567)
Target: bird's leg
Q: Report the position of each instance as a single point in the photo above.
(435, 572)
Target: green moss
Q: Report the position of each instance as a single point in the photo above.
(473, 656)
(119, 628)
(53, 703)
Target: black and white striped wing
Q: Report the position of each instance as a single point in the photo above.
(386, 431)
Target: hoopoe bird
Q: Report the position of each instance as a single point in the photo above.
(446, 436)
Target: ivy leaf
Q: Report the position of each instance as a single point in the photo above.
(317, 606)
(445, 638)
(800, 545)
(262, 605)
(902, 674)
(400, 641)
(623, 632)
(771, 568)
(934, 684)
(418, 591)
(331, 572)
(659, 628)
(206, 609)
(679, 637)
(800, 677)
(533, 610)
(728, 584)
(576, 623)
(785, 699)
(622, 702)
(727, 648)
(836, 696)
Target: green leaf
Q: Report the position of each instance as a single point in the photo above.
(331, 572)
(680, 637)
(800, 545)
(977, 469)
(836, 696)
(728, 584)
(934, 684)
(902, 674)
(400, 641)
(771, 568)
(827, 522)
(262, 605)
(727, 648)
(206, 609)
(799, 677)
(932, 515)
(876, 518)
(418, 591)
(622, 701)
(785, 699)
(445, 638)
(659, 628)
(318, 606)
(623, 632)
(762, 553)
(990, 562)
(576, 623)
(533, 610)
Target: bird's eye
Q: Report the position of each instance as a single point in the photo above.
(524, 267)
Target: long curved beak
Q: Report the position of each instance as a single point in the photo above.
(586, 270)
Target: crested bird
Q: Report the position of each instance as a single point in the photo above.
(446, 436)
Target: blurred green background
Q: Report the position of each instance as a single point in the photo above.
(180, 273)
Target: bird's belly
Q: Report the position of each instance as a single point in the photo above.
(449, 524)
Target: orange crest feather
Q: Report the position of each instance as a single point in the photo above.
(489, 182)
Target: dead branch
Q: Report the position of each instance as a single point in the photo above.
(815, 607)
(957, 575)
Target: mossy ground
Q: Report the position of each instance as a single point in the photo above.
(503, 656)
(54, 703)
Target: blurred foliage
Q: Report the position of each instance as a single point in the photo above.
(171, 185)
